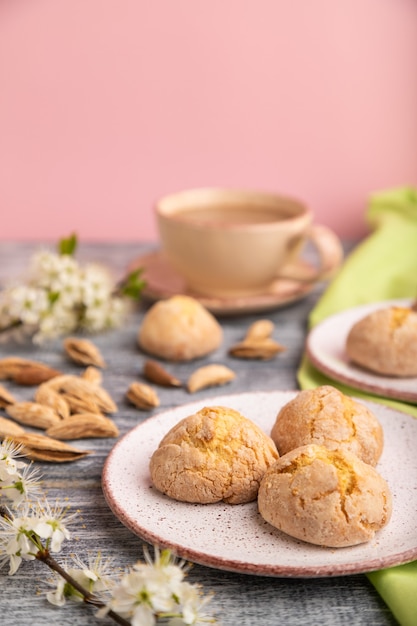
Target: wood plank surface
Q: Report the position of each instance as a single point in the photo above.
(239, 599)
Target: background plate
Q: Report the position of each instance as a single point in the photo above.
(235, 537)
(325, 348)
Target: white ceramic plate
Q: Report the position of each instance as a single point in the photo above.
(235, 537)
(325, 348)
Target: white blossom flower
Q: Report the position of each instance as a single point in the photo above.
(147, 590)
(21, 536)
(94, 577)
(16, 540)
(107, 315)
(9, 464)
(48, 523)
(143, 615)
(22, 485)
(131, 600)
(165, 570)
(69, 294)
(18, 480)
(96, 286)
(192, 602)
(59, 321)
(27, 304)
(62, 591)
(154, 590)
(95, 318)
(52, 271)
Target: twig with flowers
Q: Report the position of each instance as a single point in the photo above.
(60, 295)
(30, 529)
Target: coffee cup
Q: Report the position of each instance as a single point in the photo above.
(231, 242)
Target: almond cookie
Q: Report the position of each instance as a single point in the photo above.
(327, 417)
(385, 342)
(325, 497)
(179, 329)
(214, 455)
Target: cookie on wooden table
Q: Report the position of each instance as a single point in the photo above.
(179, 329)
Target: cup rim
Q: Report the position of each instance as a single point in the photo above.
(170, 206)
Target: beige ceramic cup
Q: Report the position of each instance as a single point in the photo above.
(227, 242)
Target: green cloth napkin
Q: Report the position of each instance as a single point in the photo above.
(382, 267)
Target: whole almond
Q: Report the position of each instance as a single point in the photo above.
(9, 428)
(82, 426)
(33, 414)
(83, 352)
(142, 396)
(9, 366)
(58, 382)
(48, 397)
(209, 376)
(93, 375)
(80, 402)
(263, 349)
(261, 329)
(6, 398)
(155, 373)
(43, 448)
(82, 395)
(25, 372)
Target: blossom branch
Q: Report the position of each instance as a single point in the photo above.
(147, 593)
(59, 295)
(89, 598)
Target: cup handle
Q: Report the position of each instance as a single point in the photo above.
(330, 252)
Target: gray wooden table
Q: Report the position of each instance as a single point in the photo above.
(239, 599)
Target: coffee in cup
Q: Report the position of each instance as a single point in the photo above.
(229, 242)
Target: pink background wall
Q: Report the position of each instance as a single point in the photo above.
(107, 104)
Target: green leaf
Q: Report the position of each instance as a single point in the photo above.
(132, 285)
(68, 245)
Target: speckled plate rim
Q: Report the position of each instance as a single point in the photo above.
(162, 281)
(235, 538)
(325, 347)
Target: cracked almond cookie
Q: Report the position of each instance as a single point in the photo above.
(325, 497)
(385, 342)
(325, 416)
(214, 455)
(179, 329)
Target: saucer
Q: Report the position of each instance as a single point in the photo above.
(162, 281)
